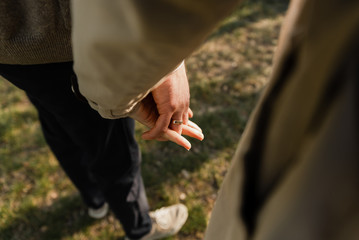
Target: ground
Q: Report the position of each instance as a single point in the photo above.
(227, 74)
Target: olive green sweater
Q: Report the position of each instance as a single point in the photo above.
(35, 31)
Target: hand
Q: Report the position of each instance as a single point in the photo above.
(172, 100)
(147, 114)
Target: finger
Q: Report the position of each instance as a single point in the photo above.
(190, 113)
(159, 129)
(178, 139)
(191, 132)
(176, 127)
(193, 125)
(185, 118)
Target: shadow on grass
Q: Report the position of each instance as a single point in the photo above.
(250, 11)
(64, 217)
(221, 109)
(162, 162)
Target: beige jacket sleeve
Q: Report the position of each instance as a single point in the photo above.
(123, 48)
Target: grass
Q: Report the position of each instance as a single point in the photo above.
(226, 75)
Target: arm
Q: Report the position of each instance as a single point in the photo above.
(122, 48)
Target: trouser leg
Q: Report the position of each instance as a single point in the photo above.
(125, 194)
(72, 159)
(89, 148)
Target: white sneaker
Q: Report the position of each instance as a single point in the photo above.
(99, 212)
(166, 221)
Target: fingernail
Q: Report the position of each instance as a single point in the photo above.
(200, 136)
(188, 148)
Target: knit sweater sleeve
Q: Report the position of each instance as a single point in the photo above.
(123, 48)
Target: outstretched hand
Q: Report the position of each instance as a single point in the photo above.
(147, 114)
(172, 100)
(168, 102)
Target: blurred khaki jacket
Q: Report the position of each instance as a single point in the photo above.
(122, 49)
(295, 174)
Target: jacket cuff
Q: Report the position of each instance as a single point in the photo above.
(126, 110)
(121, 112)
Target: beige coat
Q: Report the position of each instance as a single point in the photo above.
(123, 48)
(295, 174)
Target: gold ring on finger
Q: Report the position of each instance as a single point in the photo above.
(177, 122)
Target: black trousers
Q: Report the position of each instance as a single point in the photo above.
(100, 156)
